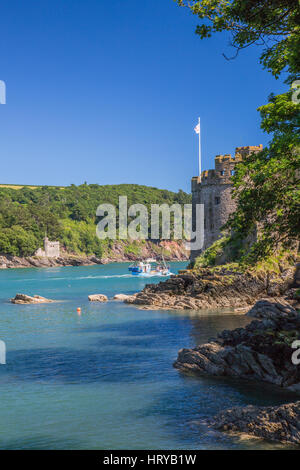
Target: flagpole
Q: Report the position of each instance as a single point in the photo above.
(200, 170)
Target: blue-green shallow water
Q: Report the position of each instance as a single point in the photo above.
(105, 379)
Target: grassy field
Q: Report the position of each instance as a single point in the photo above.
(20, 186)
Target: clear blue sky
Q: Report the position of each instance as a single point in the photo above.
(110, 91)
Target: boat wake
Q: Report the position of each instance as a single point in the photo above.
(123, 276)
(112, 276)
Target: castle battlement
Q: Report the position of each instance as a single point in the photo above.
(214, 189)
(243, 152)
(250, 148)
(224, 167)
(224, 158)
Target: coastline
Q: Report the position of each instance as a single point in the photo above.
(15, 262)
(173, 251)
(208, 289)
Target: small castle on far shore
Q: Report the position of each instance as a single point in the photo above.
(51, 249)
(213, 189)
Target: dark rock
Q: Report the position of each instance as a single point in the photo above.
(261, 351)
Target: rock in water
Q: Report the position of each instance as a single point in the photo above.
(275, 423)
(28, 299)
(98, 298)
(124, 297)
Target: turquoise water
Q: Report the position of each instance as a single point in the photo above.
(104, 380)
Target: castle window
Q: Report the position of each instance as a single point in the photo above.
(217, 200)
(222, 172)
(232, 172)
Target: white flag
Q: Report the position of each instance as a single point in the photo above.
(197, 129)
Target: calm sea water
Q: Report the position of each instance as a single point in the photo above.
(104, 380)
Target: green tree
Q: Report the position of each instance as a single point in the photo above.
(267, 184)
(272, 24)
(16, 241)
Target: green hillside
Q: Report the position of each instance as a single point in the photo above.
(67, 215)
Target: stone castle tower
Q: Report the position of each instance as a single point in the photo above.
(51, 249)
(213, 190)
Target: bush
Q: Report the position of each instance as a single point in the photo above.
(16, 241)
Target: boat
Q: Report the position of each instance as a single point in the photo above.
(149, 267)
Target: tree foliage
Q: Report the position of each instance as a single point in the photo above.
(272, 24)
(267, 184)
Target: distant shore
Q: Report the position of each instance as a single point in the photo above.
(13, 262)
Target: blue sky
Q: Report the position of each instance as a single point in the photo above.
(109, 93)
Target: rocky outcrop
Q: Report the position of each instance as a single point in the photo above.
(274, 423)
(207, 289)
(28, 299)
(97, 298)
(261, 351)
(8, 261)
(274, 310)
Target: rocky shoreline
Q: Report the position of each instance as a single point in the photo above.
(9, 262)
(206, 289)
(262, 351)
(117, 254)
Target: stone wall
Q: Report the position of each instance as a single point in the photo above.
(214, 190)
